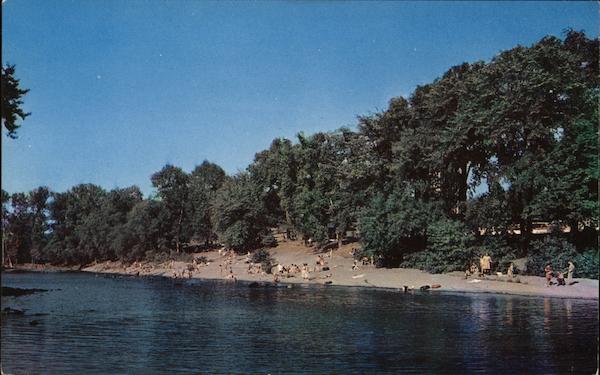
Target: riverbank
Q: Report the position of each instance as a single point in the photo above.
(338, 271)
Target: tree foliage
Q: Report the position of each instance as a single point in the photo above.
(240, 216)
(465, 165)
(12, 101)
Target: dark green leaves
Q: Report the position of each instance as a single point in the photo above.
(12, 101)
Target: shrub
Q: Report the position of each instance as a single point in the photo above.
(551, 250)
(586, 264)
(162, 256)
(268, 240)
(449, 248)
(156, 257)
(395, 225)
(263, 256)
(181, 257)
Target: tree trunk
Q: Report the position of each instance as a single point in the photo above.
(340, 239)
(525, 227)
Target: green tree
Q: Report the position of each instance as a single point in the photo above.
(145, 231)
(38, 206)
(18, 231)
(275, 170)
(521, 104)
(395, 225)
(330, 184)
(99, 230)
(239, 215)
(172, 184)
(12, 101)
(69, 242)
(205, 180)
(24, 225)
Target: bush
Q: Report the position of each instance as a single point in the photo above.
(181, 257)
(263, 256)
(551, 250)
(156, 256)
(268, 240)
(498, 249)
(586, 264)
(449, 248)
(162, 256)
(395, 225)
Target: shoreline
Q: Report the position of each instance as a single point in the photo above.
(269, 284)
(340, 273)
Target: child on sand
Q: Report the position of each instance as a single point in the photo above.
(560, 279)
(473, 270)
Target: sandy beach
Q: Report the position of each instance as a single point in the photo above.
(340, 273)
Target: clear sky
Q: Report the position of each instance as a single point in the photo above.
(120, 88)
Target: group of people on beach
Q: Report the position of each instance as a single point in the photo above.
(560, 277)
(484, 268)
(226, 267)
(292, 270)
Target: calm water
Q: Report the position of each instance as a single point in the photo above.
(105, 325)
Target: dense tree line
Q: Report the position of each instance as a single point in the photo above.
(464, 166)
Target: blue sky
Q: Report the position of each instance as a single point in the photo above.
(120, 88)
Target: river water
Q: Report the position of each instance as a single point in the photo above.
(93, 324)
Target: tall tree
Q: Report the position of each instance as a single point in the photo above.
(38, 205)
(205, 180)
(98, 230)
(145, 232)
(240, 216)
(69, 212)
(172, 184)
(520, 104)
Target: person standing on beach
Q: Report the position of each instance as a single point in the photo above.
(304, 272)
(570, 273)
(548, 271)
(486, 264)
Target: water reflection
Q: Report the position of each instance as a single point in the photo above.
(569, 315)
(547, 313)
(105, 325)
